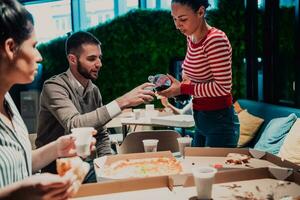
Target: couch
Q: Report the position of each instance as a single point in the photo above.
(267, 112)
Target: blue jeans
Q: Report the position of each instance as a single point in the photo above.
(183, 132)
(217, 128)
(91, 175)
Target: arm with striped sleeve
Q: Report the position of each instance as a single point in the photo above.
(218, 53)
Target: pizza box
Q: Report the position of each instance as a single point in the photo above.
(99, 163)
(135, 188)
(229, 184)
(217, 157)
(259, 183)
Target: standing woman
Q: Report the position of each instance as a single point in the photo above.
(208, 65)
(18, 65)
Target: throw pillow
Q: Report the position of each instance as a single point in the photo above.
(290, 150)
(237, 107)
(249, 125)
(273, 136)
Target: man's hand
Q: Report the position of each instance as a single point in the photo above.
(137, 96)
(173, 90)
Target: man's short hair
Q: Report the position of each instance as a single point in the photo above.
(76, 40)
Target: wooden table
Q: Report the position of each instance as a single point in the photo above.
(125, 120)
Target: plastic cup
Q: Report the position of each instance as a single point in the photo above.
(136, 113)
(150, 145)
(83, 140)
(149, 107)
(184, 142)
(150, 111)
(204, 179)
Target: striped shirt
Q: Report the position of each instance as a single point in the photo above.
(208, 65)
(15, 148)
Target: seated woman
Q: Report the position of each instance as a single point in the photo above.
(18, 65)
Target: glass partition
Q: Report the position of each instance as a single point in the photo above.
(52, 19)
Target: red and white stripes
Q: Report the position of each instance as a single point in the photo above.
(208, 66)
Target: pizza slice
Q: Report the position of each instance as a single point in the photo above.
(73, 165)
(237, 158)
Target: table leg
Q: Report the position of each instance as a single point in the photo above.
(124, 131)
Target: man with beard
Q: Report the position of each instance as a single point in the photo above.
(71, 100)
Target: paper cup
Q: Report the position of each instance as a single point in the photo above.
(149, 107)
(137, 113)
(204, 179)
(184, 142)
(83, 140)
(150, 145)
(151, 113)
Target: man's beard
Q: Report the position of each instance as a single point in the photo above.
(83, 72)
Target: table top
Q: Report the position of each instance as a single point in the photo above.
(162, 119)
(173, 121)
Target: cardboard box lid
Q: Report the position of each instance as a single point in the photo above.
(257, 183)
(124, 185)
(147, 194)
(223, 152)
(248, 174)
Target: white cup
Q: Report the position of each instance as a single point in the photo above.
(83, 140)
(136, 113)
(149, 107)
(184, 142)
(204, 179)
(150, 145)
(152, 113)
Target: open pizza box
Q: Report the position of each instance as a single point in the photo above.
(259, 183)
(100, 163)
(218, 157)
(229, 184)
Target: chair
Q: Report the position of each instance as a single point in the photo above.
(133, 142)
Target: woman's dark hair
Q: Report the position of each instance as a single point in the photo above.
(15, 22)
(194, 4)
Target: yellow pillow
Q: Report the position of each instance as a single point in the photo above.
(237, 107)
(290, 150)
(249, 125)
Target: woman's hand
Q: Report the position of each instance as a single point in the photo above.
(65, 145)
(164, 101)
(173, 90)
(44, 186)
(185, 78)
